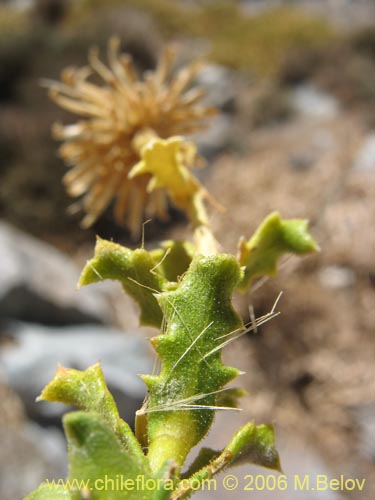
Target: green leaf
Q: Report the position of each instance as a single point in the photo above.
(97, 458)
(254, 444)
(85, 389)
(272, 239)
(230, 397)
(49, 492)
(204, 457)
(88, 391)
(166, 474)
(197, 314)
(167, 161)
(134, 270)
(175, 258)
(101, 469)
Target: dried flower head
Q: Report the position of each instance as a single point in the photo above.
(119, 118)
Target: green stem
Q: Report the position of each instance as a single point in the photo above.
(174, 445)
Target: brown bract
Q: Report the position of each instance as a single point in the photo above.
(118, 118)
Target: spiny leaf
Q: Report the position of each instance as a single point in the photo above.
(230, 397)
(96, 455)
(134, 270)
(175, 258)
(163, 159)
(88, 391)
(167, 160)
(272, 239)
(198, 314)
(85, 389)
(254, 444)
(98, 464)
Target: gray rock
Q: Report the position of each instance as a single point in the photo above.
(30, 363)
(365, 417)
(336, 277)
(216, 138)
(347, 14)
(321, 142)
(220, 85)
(302, 161)
(38, 283)
(311, 102)
(28, 456)
(21, 4)
(365, 159)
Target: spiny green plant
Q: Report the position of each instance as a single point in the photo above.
(183, 289)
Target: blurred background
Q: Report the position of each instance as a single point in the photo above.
(295, 85)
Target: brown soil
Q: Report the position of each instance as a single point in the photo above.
(310, 370)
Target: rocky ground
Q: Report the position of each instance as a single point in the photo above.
(307, 150)
(316, 359)
(311, 369)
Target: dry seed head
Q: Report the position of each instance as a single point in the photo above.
(117, 120)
